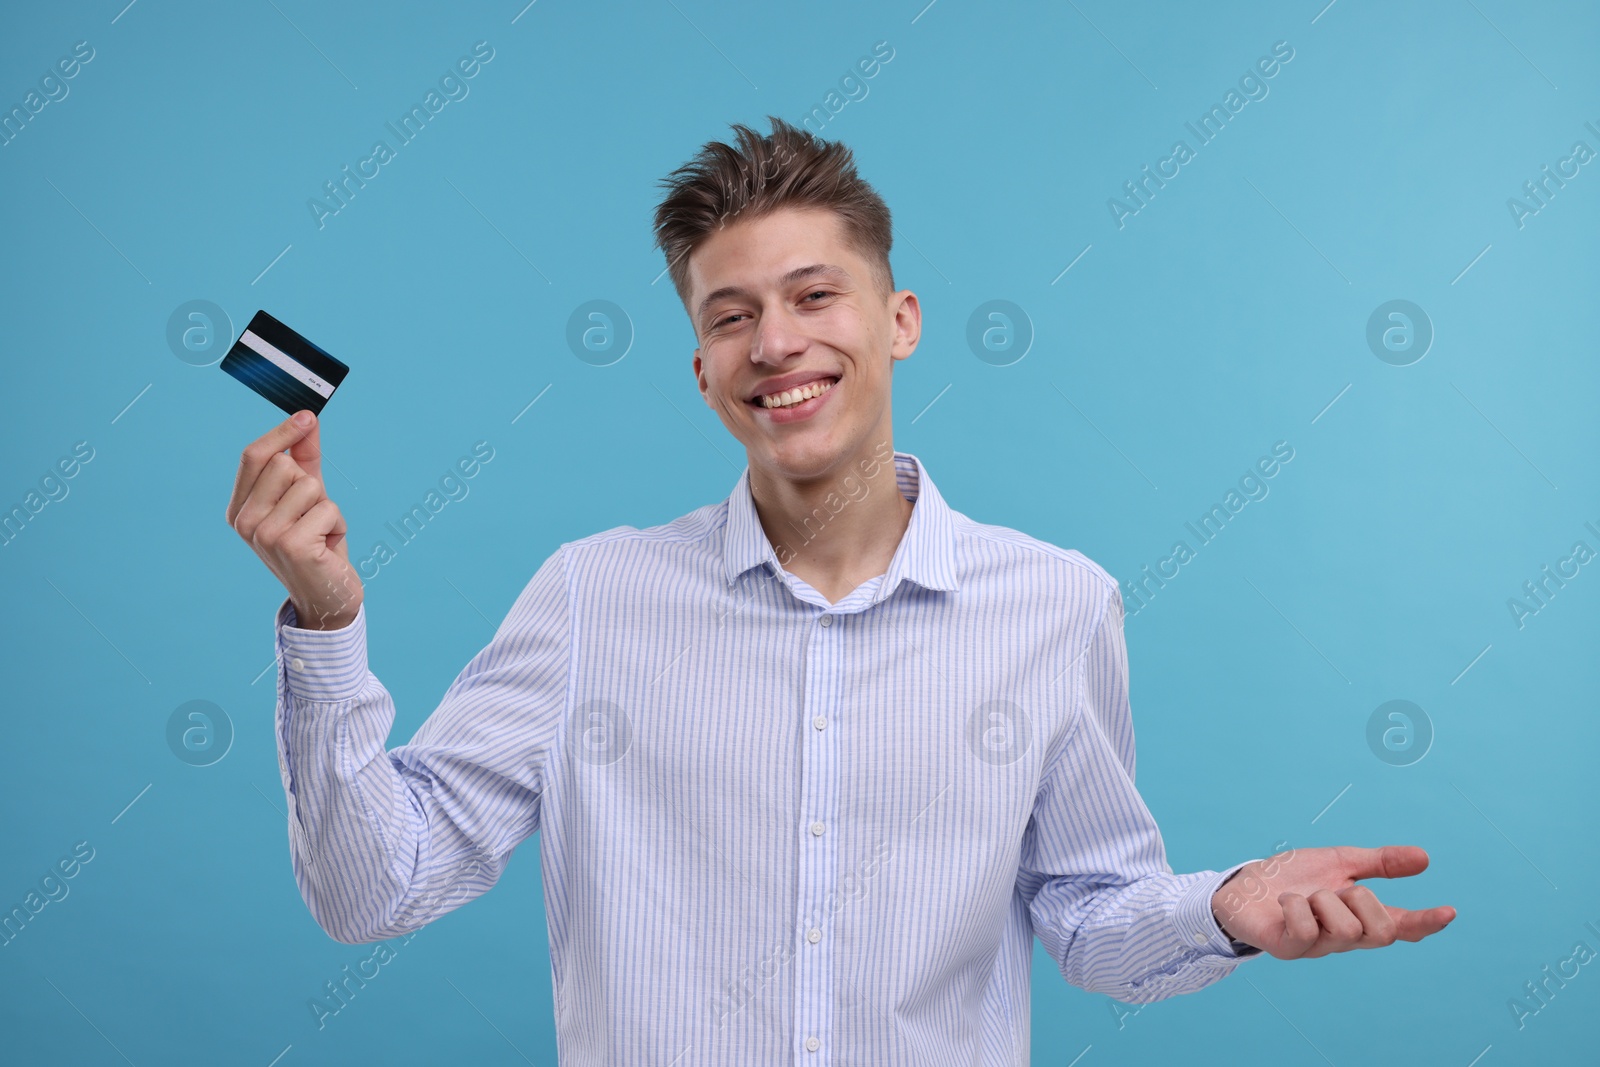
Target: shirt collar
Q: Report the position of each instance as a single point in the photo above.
(925, 555)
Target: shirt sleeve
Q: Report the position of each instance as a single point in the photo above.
(1101, 896)
(383, 842)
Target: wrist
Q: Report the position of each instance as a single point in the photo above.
(322, 619)
(1217, 915)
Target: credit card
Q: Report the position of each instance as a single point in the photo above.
(282, 366)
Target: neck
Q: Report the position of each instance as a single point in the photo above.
(837, 530)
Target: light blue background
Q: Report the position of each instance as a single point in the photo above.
(1225, 316)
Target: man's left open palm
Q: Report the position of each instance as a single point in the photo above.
(1306, 903)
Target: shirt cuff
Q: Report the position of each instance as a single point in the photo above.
(1197, 924)
(321, 665)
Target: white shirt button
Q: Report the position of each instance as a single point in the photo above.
(1201, 939)
(813, 935)
(298, 664)
(812, 1044)
(827, 620)
(816, 829)
(820, 722)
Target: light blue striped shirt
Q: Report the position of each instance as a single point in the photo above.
(771, 829)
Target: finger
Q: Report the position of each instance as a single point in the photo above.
(1342, 927)
(1300, 927)
(1390, 861)
(1416, 925)
(307, 451)
(336, 536)
(255, 458)
(274, 480)
(309, 535)
(1377, 924)
(274, 529)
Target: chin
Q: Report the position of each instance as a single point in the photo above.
(805, 459)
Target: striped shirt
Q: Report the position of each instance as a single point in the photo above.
(771, 829)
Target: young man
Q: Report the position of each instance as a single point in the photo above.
(812, 766)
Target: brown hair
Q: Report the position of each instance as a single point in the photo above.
(788, 168)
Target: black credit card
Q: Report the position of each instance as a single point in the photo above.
(282, 366)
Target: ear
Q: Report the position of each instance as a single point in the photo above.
(907, 324)
(700, 379)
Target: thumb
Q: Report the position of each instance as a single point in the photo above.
(1389, 861)
(337, 537)
(307, 451)
(1416, 925)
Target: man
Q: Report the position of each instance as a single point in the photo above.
(812, 766)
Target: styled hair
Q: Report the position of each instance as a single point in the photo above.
(788, 168)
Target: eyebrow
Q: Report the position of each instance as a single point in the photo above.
(814, 270)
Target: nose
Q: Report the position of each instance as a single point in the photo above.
(778, 336)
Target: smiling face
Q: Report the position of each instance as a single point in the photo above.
(784, 303)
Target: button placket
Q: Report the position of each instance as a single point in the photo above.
(818, 840)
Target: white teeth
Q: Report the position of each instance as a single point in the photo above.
(792, 397)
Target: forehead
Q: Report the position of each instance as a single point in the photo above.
(758, 251)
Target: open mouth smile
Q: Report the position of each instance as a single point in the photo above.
(800, 402)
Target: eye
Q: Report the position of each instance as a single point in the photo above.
(818, 292)
(726, 319)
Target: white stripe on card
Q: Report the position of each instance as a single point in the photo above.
(286, 363)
